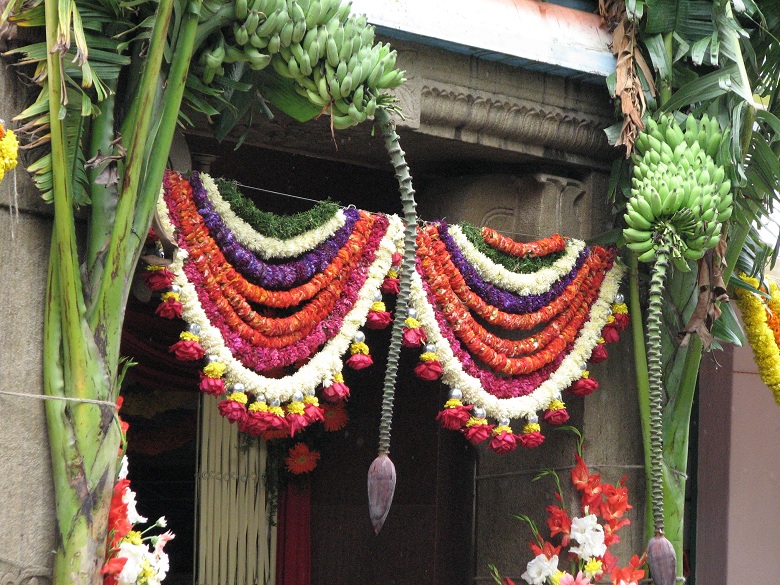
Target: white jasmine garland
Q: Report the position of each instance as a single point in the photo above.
(524, 284)
(264, 246)
(539, 569)
(526, 406)
(326, 363)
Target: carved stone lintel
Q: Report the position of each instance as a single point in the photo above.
(513, 124)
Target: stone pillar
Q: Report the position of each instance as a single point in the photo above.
(26, 488)
(529, 207)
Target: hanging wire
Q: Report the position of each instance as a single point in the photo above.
(524, 235)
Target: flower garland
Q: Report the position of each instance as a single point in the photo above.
(323, 366)
(757, 316)
(569, 370)
(270, 225)
(502, 297)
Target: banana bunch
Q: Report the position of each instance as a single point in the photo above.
(678, 190)
(329, 54)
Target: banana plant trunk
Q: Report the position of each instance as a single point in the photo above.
(82, 333)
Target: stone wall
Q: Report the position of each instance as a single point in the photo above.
(26, 488)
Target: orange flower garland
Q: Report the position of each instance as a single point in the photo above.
(538, 248)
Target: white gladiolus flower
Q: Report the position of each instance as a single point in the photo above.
(589, 534)
(132, 514)
(123, 468)
(539, 569)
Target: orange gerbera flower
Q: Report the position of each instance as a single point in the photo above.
(301, 459)
(336, 416)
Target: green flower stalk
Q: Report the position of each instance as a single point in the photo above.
(381, 475)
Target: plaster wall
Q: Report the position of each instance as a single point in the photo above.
(753, 475)
(26, 491)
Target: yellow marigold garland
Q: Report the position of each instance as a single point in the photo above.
(766, 353)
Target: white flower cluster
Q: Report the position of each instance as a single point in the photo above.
(539, 569)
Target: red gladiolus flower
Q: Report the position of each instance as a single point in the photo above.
(186, 350)
(413, 337)
(478, 433)
(378, 319)
(559, 523)
(503, 442)
(591, 495)
(548, 550)
(169, 309)
(630, 575)
(112, 568)
(336, 416)
(232, 410)
(616, 503)
(556, 417)
(530, 440)
(599, 354)
(507, 581)
(213, 386)
(583, 387)
(608, 562)
(454, 418)
(579, 475)
(360, 361)
(301, 459)
(430, 370)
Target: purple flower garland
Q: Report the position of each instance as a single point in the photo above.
(506, 301)
(280, 276)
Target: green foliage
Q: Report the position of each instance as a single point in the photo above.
(271, 224)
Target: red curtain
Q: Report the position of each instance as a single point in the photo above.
(293, 547)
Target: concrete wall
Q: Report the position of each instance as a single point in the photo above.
(26, 490)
